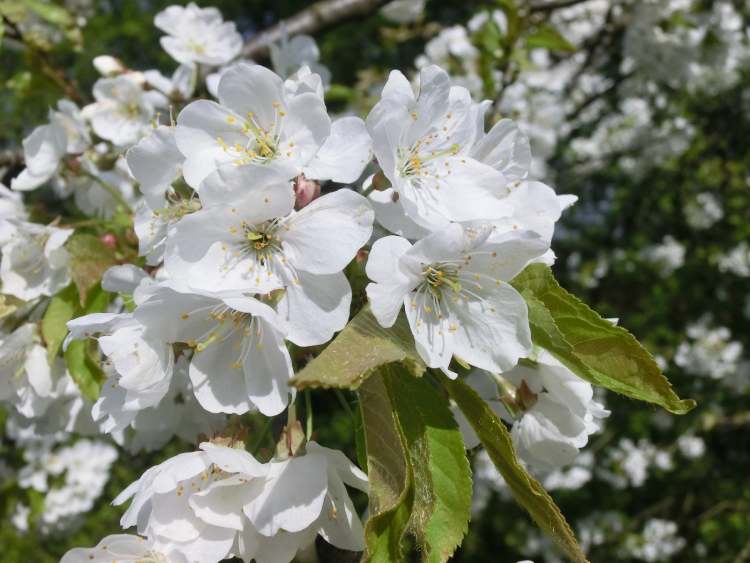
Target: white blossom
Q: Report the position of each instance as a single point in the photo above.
(198, 35)
(122, 547)
(257, 122)
(259, 244)
(122, 110)
(454, 287)
(34, 261)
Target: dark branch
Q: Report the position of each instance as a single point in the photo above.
(320, 15)
(551, 6)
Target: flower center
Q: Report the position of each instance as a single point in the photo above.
(416, 160)
(261, 240)
(440, 276)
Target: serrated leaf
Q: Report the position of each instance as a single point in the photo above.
(62, 307)
(81, 359)
(593, 348)
(525, 489)
(440, 469)
(547, 37)
(89, 259)
(391, 495)
(358, 350)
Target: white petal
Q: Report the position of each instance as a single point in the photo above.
(205, 133)
(267, 370)
(345, 153)
(492, 333)
(293, 496)
(217, 378)
(325, 236)
(316, 307)
(156, 162)
(506, 149)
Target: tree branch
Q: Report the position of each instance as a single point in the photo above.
(556, 5)
(11, 157)
(319, 16)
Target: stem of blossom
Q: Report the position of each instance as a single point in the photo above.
(308, 415)
(344, 403)
(507, 393)
(111, 190)
(262, 436)
(291, 412)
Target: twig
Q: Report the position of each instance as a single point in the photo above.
(319, 16)
(10, 157)
(55, 74)
(551, 6)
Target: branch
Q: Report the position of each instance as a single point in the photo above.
(53, 73)
(319, 16)
(11, 157)
(552, 6)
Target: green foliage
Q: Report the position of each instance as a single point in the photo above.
(89, 259)
(82, 356)
(358, 350)
(605, 354)
(526, 490)
(419, 475)
(62, 308)
(82, 361)
(391, 495)
(546, 36)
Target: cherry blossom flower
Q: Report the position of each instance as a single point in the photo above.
(260, 244)
(34, 260)
(454, 287)
(198, 35)
(122, 547)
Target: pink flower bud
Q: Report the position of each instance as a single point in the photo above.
(305, 191)
(109, 240)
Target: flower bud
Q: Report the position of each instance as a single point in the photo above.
(305, 191)
(109, 240)
(108, 66)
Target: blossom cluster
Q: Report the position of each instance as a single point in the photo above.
(250, 203)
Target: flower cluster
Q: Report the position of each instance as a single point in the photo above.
(235, 214)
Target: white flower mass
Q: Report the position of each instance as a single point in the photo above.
(249, 206)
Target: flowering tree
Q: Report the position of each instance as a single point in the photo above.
(186, 259)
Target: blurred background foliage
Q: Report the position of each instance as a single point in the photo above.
(629, 200)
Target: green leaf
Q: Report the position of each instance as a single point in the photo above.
(547, 37)
(82, 360)
(525, 489)
(62, 308)
(420, 479)
(56, 15)
(592, 347)
(440, 469)
(358, 350)
(89, 259)
(391, 492)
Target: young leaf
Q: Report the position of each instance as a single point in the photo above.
(525, 489)
(440, 469)
(593, 348)
(389, 473)
(62, 307)
(84, 368)
(547, 37)
(358, 350)
(89, 259)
